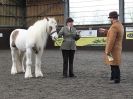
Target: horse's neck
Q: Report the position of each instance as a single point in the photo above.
(42, 27)
(38, 31)
(44, 33)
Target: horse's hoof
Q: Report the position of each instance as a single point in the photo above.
(39, 75)
(28, 76)
(13, 72)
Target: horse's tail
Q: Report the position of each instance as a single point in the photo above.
(13, 37)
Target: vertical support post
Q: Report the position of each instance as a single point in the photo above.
(22, 5)
(121, 11)
(66, 12)
(24, 25)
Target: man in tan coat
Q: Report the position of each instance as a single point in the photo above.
(113, 47)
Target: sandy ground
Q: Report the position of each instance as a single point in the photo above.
(92, 80)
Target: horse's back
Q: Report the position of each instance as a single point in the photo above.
(17, 32)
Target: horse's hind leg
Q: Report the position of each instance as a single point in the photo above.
(28, 73)
(20, 62)
(14, 60)
(38, 72)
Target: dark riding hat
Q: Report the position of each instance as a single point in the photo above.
(113, 14)
(69, 20)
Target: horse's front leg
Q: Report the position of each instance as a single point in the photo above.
(38, 72)
(28, 73)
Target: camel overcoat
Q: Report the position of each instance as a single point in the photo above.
(114, 43)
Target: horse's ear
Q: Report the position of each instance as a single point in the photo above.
(47, 18)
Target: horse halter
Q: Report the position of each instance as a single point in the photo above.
(52, 32)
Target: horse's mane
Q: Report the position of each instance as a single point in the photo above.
(38, 27)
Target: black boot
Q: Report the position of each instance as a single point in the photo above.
(65, 69)
(71, 74)
(112, 73)
(117, 74)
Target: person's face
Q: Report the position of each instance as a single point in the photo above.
(70, 24)
(111, 20)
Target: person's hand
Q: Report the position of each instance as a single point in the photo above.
(78, 32)
(102, 30)
(54, 36)
(107, 53)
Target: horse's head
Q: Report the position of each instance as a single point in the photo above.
(52, 25)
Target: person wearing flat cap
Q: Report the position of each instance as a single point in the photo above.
(68, 46)
(113, 47)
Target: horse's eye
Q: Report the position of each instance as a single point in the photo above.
(50, 28)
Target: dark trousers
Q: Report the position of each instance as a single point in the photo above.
(115, 72)
(68, 57)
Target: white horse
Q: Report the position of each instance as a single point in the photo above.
(25, 42)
